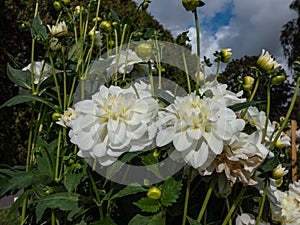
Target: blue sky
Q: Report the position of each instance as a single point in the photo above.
(245, 26)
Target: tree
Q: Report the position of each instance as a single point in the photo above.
(237, 69)
(290, 35)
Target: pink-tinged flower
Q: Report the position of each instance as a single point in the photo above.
(113, 122)
(240, 158)
(197, 127)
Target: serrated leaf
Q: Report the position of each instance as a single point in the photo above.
(19, 77)
(243, 105)
(19, 99)
(38, 30)
(148, 204)
(128, 190)
(170, 191)
(147, 220)
(151, 163)
(62, 201)
(192, 221)
(107, 220)
(72, 180)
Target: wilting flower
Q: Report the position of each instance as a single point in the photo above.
(241, 156)
(67, 116)
(248, 219)
(114, 121)
(41, 71)
(225, 55)
(124, 62)
(59, 29)
(266, 62)
(197, 127)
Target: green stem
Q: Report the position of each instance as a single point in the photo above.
(267, 112)
(262, 203)
(186, 71)
(53, 217)
(205, 202)
(198, 46)
(98, 200)
(252, 95)
(187, 196)
(57, 164)
(287, 116)
(228, 208)
(234, 205)
(217, 70)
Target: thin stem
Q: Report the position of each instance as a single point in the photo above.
(262, 203)
(205, 202)
(217, 70)
(98, 200)
(198, 46)
(151, 79)
(287, 116)
(186, 71)
(267, 112)
(57, 178)
(228, 208)
(234, 205)
(53, 217)
(187, 196)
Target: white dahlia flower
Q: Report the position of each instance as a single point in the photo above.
(114, 121)
(40, 70)
(65, 118)
(248, 219)
(197, 127)
(219, 92)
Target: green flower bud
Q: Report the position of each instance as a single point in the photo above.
(57, 5)
(278, 80)
(105, 26)
(154, 193)
(66, 2)
(145, 5)
(96, 19)
(248, 83)
(144, 51)
(114, 23)
(56, 116)
(279, 182)
(191, 5)
(225, 55)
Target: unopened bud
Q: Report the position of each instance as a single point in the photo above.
(105, 26)
(66, 2)
(248, 83)
(279, 172)
(144, 51)
(145, 5)
(278, 80)
(191, 5)
(225, 55)
(57, 5)
(56, 116)
(154, 193)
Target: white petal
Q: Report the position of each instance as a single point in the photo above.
(165, 136)
(181, 141)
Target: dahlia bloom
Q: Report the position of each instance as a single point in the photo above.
(266, 62)
(241, 156)
(68, 115)
(59, 29)
(113, 122)
(197, 127)
(248, 219)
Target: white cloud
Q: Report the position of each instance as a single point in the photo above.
(253, 25)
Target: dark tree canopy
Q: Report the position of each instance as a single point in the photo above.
(290, 35)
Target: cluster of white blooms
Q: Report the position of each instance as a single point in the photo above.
(290, 205)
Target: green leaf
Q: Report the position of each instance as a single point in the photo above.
(72, 180)
(128, 190)
(62, 201)
(151, 163)
(114, 15)
(105, 221)
(170, 191)
(45, 160)
(243, 105)
(192, 221)
(164, 96)
(38, 30)
(24, 180)
(269, 164)
(19, 77)
(18, 99)
(147, 220)
(148, 204)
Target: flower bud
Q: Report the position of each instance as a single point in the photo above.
(66, 2)
(278, 80)
(56, 116)
(54, 44)
(144, 51)
(154, 193)
(266, 63)
(57, 6)
(225, 55)
(105, 26)
(191, 5)
(145, 5)
(279, 172)
(96, 19)
(279, 182)
(248, 83)
(78, 9)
